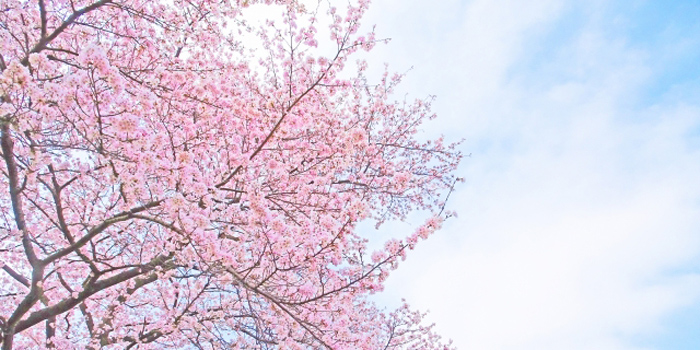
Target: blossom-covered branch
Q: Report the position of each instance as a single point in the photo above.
(177, 175)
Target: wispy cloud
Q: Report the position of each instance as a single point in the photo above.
(579, 224)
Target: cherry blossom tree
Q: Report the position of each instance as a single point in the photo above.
(177, 175)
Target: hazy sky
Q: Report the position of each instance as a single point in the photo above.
(579, 222)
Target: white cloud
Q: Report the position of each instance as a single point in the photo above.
(579, 219)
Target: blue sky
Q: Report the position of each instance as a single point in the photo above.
(579, 222)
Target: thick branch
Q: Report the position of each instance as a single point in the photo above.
(45, 40)
(90, 289)
(42, 13)
(35, 293)
(16, 275)
(106, 323)
(13, 178)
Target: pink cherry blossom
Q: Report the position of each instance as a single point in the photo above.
(178, 176)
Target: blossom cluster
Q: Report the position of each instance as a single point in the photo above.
(168, 186)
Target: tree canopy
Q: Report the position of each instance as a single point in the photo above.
(169, 183)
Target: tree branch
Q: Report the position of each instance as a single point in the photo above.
(45, 40)
(91, 289)
(42, 13)
(123, 216)
(16, 275)
(7, 146)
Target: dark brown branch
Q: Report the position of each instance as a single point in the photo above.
(16, 275)
(42, 13)
(107, 321)
(123, 216)
(8, 154)
(45, 40)
(63, 226)
(91, 289)
(228, 178)
(50, 331)
(35, 293)
(88, 318)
